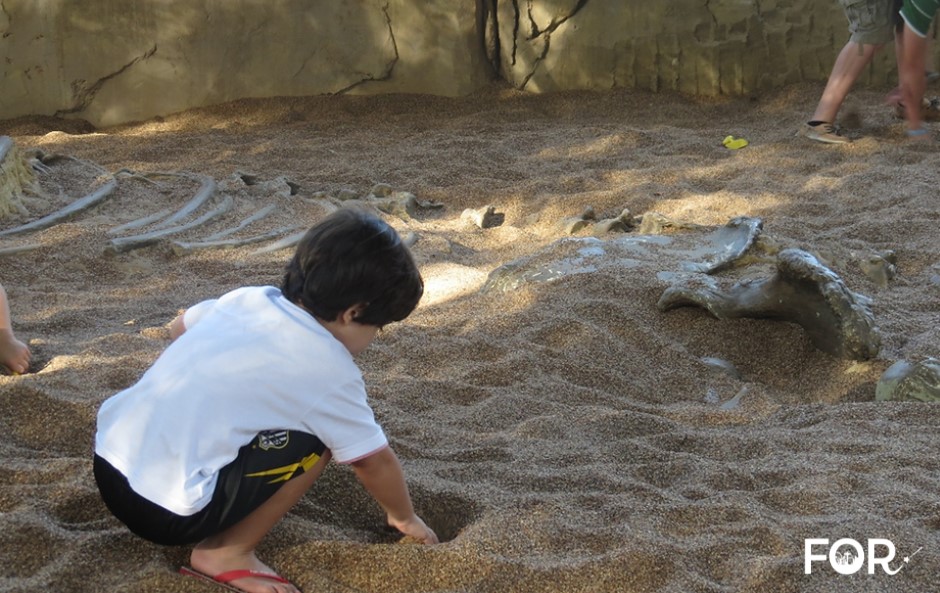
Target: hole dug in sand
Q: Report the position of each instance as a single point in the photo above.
(342, 509)
(446, 513)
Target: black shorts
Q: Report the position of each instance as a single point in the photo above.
(260, 469)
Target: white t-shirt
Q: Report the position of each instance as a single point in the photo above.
(248, 362)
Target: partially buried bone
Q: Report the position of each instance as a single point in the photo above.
(619, 224)
(724, 247)
(913, 382)
(79, 205)
(880, 267)
(720, 249)
(654, 223)
(123, 244)
(573, 224)
(185, 248)
(802, 291)
(402, 204)
(485, 218)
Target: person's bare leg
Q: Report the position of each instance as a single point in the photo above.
(234, 548)
(849, 65)
(14, 354)
(928, 55)
(913, 83)
(894, 96)
(928, 51)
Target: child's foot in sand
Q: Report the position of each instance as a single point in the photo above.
(217, 561)
(14, 354)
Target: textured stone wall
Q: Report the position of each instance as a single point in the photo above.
(113, 61)
(707, 47)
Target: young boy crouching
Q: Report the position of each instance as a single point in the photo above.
(237, 418)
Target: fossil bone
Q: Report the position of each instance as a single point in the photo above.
(802, 291)
(123, 244)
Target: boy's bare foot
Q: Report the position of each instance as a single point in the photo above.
(217, 561)
(14, 354)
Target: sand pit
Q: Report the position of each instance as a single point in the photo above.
(563, 436)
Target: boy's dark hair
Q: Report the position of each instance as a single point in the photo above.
(350, 258)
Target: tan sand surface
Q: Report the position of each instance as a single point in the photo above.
(565, 436)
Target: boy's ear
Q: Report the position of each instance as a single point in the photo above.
(353, 313)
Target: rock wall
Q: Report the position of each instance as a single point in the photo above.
(706, 47)
(113, 61)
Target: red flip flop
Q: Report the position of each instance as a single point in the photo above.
(224, 579)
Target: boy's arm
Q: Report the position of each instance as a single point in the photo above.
(177, 327)
(381, 474)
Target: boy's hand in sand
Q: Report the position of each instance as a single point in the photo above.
(415, 527)
(14, 354)
(382, 476)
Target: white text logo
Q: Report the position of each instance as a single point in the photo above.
(847, 556)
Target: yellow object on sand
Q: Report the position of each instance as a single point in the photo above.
(734, 143)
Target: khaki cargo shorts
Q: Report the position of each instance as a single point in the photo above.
(871, 22)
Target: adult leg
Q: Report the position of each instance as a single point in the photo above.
(234, 548)
(852, 60)
(849, 64)
(913, 82)
(894, 96)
